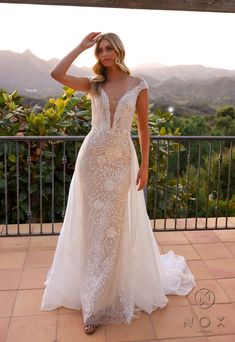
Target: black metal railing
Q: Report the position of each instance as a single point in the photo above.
(35, 173)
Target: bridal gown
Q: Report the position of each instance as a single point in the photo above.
(107, 262)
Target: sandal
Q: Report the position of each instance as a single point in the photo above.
(90, 328)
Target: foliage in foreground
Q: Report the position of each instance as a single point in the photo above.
(48, 165)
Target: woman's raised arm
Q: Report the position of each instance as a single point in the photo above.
(59, 71)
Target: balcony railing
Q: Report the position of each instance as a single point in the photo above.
(191, 182)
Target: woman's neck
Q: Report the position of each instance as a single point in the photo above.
(115, 74)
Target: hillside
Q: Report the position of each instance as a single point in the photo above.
(191, 89)
(30, 74)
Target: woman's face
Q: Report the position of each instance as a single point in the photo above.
(106, 53)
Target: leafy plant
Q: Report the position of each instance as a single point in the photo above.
(35, 174)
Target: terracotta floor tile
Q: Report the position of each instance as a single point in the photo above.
(213, 286)
(192, 223)
(231, 247)
(187, 251)
(170, 223)
(46, 227)
(38, 259)
(186, 339)
(163, 224)
(226, 235)
(213, 250)
(63, 310)
(12, 259)
(33, 229)
(33, 278)
(35, 254)
(7, 300)
(201, 236)
(180, 223)
(199, 269)
(219, 319)
(225, 338)
(28, 302)
(211, 221)
(175, 322)
(13, 229)
(171, 238)
(229, 287)
(177, 300)
(159, 225)
(117, 332)
(4, 324)
(9, 278)
(70, 329)
(14, 243)
(32, 328)
(139, 329)
(231, 220)
(222, 268)
(43, 243)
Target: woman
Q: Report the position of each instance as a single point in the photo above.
(107, 261)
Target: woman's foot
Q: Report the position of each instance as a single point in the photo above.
(90, 328)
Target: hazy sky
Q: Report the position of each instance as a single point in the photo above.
(149, 36)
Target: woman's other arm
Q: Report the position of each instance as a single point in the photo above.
(144, 137)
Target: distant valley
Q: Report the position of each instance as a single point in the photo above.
(190, 89)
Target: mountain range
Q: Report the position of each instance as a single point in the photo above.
(185, 87)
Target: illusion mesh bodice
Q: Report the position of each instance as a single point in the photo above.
(120, 120)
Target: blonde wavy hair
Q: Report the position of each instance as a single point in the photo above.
(100, 70)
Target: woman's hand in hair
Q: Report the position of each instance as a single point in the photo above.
(90, 40)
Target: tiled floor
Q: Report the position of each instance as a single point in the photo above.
(210, 254)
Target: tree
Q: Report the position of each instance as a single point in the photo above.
(225, 121)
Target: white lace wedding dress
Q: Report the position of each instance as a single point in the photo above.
(107, 261)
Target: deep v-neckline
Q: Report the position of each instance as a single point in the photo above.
(117, 104)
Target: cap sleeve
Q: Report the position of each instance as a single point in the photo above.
(90, 78)
(142, 85)
(91, 88)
